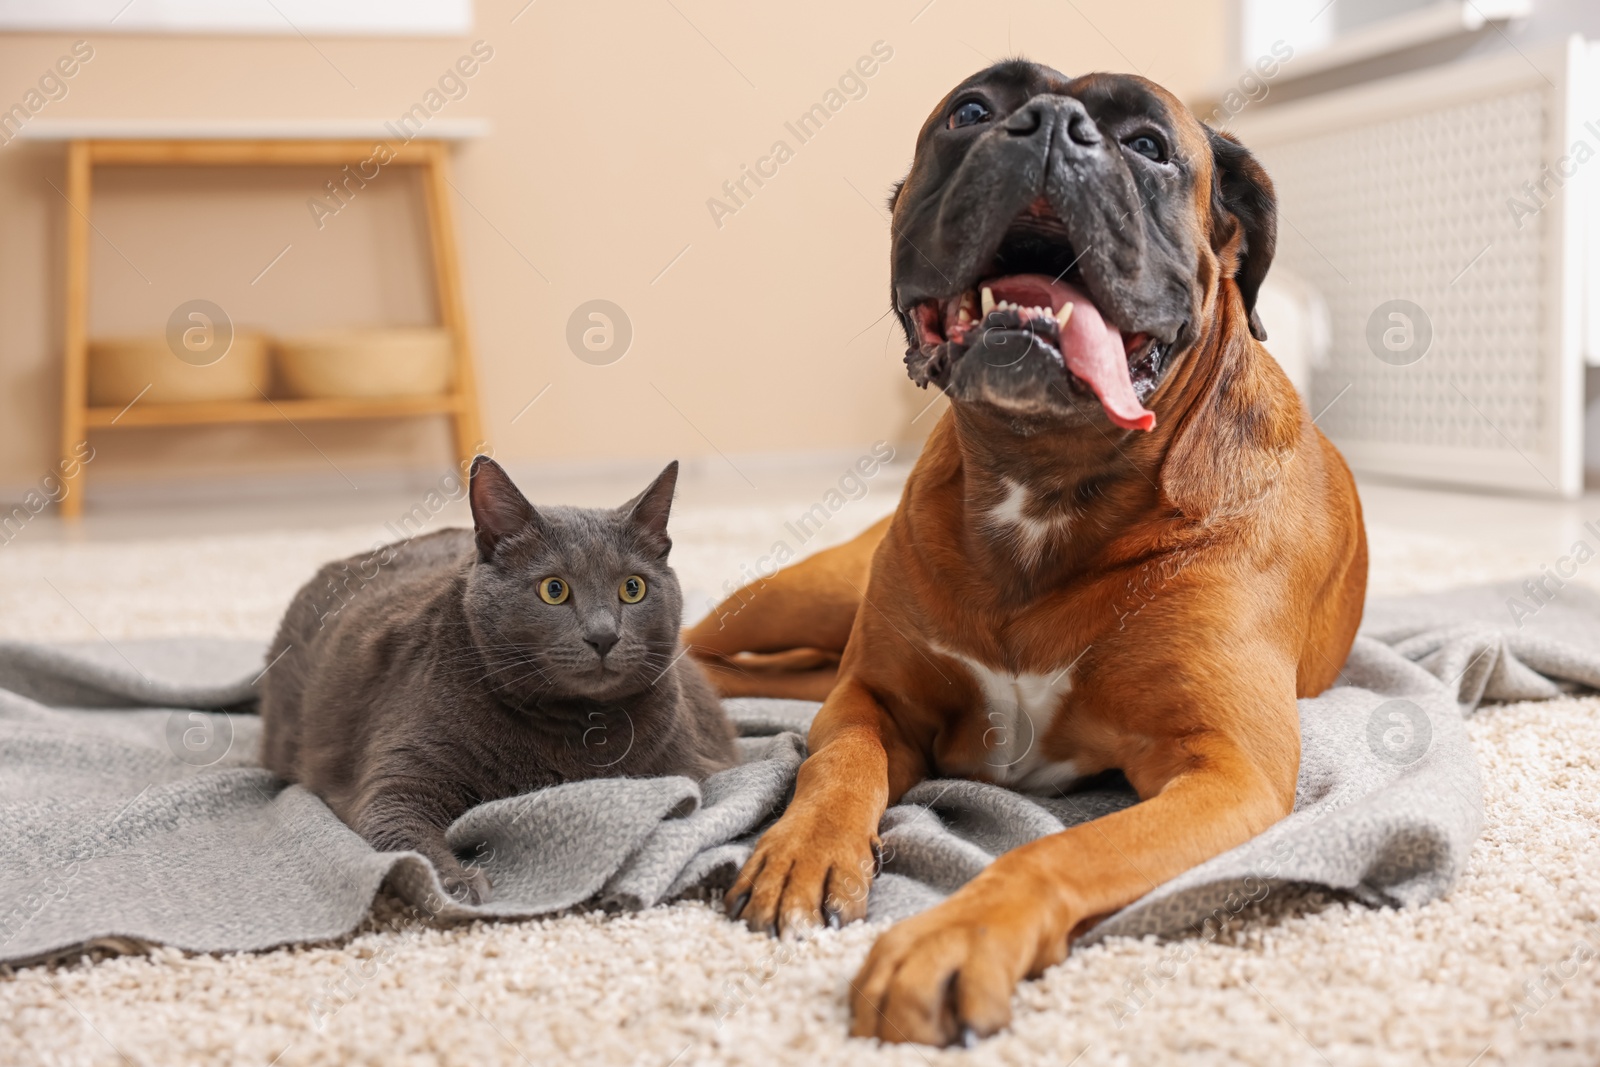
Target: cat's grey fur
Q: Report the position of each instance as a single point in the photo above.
(412, 683)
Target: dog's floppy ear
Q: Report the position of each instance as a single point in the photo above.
(1242, 202)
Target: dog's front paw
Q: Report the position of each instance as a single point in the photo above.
(946, 976)
(802, 874)
(466, 885)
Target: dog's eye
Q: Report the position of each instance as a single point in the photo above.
(1147, 146)
(553, 591)
(632, 589)
(968, 114)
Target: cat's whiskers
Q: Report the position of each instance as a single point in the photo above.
(490, 663)
(498, 680)
(484, 666)
(500, 655)
(503, 658)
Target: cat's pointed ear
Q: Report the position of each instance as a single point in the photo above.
(649, 510)
(498, 507)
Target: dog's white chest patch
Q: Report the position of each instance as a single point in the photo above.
(1018, 710)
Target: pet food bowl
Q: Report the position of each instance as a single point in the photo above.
(122, 368)
(355, 364)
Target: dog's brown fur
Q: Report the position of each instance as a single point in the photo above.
(1213, 570)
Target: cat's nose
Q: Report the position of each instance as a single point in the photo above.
(601, 642)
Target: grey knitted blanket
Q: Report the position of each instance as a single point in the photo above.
(132, 809)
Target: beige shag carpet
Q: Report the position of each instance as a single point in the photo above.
(1506, 969)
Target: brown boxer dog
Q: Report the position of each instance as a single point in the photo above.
(1125, 546)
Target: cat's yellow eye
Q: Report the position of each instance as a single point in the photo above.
(553, 591)
(632, 589)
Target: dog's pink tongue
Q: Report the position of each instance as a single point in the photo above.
(1092, 348)
(1095, 354)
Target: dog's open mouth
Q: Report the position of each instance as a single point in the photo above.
(1032, 301)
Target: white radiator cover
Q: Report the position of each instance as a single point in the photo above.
(1404, 190)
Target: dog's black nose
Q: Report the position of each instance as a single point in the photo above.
(1025, 121)
(601, 642)
(1081, 128)
(1041, 113)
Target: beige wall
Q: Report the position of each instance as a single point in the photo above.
(613, 123)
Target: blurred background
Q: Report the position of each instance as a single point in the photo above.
(657, 229)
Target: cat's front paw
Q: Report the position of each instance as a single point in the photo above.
(466, 885)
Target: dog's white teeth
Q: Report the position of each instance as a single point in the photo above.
(1064, 314)
(963, 317)
(988, 300)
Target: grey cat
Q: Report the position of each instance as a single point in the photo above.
(464, 666)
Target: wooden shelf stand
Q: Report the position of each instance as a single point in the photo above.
(460, 405)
